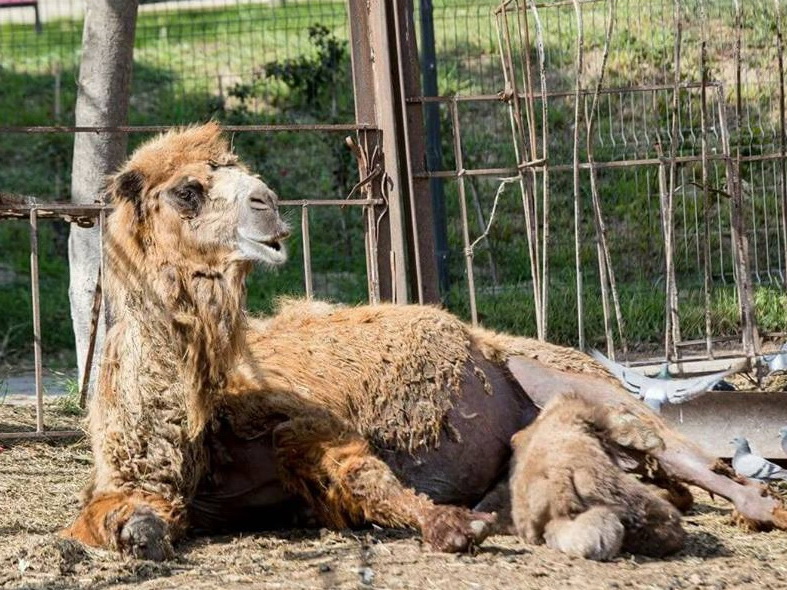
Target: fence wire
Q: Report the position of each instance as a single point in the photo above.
(681, 115)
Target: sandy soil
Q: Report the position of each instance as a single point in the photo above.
(40, 482)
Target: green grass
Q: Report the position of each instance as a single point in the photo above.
(195, 65)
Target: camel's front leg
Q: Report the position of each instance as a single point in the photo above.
(136, 524)
(334, 469)
(679, 458)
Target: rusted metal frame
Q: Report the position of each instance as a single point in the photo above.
(422, 243)
(463, 213)
(576, 190)
(30, 129)
(374, 88)
(557, 93)
(505, 5)
(615, 164)
(307, 254)
(95, 311)
(671, 316)
(47, 435)
(369, 167)
(521, 152)
(36, 300)
(606, 270)
(528, 132)
(706, 271)
(545, 195)
(782, 131)
(71, 212)
(740, 242)
(532, 148)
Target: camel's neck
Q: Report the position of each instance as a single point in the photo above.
(197, 312)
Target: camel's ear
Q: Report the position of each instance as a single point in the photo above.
(127, 185)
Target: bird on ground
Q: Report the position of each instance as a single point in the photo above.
(655, 392)
(747, 464)
(783, 436)
(776, 362)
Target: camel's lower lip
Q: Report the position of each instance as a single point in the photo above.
(268, 250)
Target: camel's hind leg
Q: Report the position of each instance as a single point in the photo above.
(679, 458)
(136, 524)
(335, 470)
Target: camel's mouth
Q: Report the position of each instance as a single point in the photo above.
(268, 250)
(273, 244)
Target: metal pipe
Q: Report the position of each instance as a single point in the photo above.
(36, 298)
(343, 127)
(463, 212)
(307, 258)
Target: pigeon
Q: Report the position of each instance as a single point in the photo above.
(747, 464)
(776, 362)
(656, 392)
(783, 436)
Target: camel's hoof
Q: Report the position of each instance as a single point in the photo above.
(453, 529)
(146, 536)
(630, 432)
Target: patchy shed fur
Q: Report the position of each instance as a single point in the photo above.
(392, 397)
(568, 491)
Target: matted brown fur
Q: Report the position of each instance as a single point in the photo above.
(566, 488)
(311, 355)
(160, 158)
(395, 385)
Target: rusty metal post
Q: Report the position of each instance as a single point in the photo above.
(36, 299)
(375, 82)
(421, 206)
(307, 253)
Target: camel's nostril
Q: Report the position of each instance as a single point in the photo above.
(258, 204)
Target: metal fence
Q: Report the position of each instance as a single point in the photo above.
(644, 147)
(277, 75)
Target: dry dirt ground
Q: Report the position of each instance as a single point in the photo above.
(39, 485)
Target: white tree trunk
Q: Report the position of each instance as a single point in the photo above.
(102, 99)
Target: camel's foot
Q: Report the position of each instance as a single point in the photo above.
(453, 529)
(138, 525)
(145, 536)
(778, 518)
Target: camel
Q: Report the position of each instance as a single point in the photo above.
(207, 419)
(568, 491)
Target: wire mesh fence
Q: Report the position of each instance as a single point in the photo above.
(660, 107)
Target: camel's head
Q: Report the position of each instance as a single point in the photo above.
(185, 194)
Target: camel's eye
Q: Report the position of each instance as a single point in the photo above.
(187, 197)
(188, 194)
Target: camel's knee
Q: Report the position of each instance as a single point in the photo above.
(146, 535)
(139, 525)
(595, 534)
